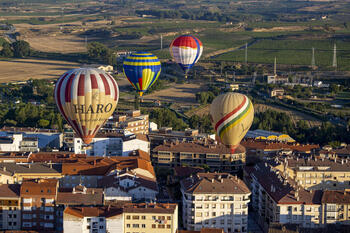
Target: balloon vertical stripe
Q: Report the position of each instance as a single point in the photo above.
(86, 98)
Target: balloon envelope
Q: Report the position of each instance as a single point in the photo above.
(186, 51)
(86, 98)
(232, 115)
(142, 69)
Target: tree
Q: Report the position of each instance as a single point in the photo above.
(21, 48)
(43, 123)
(6, 50)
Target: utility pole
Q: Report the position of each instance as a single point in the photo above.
(246, 53)
(335, 57)
(313, 63)
(275, 67)
(161, 42)
(86, 42)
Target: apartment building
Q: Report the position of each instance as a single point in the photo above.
(12, 173)
(279, 200)
(217, 156)
(215, 200)
(314, 173)
(93, 219)
(336, 207)
(150, 217)
(38, 204)
(127, 185)
(10, 207)
(167, 134)
(112, 144)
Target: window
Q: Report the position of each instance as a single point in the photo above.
(143, 217)
(161, 226)
(153, 225)
(135, 225)
(168, 218)
(101, 219)
(213, 214)
(143, 225)
(127, 216)
(101, 227)
(135, 217)
(127, 225)
(168, 226)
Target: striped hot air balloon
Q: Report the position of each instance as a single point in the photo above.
(186, 51)
(86, 98)
(232, 115)
(142, 69)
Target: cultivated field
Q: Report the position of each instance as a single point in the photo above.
(24, 69)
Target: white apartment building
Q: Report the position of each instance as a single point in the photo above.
(215, 200)
(92, 219)
(112, 144)
(280, 200)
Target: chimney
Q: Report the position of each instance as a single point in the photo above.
(222, 180)
(342, 161)
(212, 180)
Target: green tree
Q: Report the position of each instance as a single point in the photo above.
(6, 50)
(43, 123)
(21, 48)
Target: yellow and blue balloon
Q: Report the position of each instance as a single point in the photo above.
(142, 69)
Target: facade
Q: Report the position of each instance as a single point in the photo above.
(280, 200)
(217, 156)
(128, 185)
(215, 200)
(134, 122)
(150, 217)
(38, 204)
(112, 144)
(10, 207)
(29, 145)
(13, 173)
(313, 173)
(45, 137)
(277, 92)
(276, 79)
(93, 219)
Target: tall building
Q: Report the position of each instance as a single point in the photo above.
(93, 219)
(10, 207)
(215, 200)
(217, 156)
(150, 217)
(38, 204)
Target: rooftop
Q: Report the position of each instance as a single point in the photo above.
(220, 183)
(197, 147)
(160, 208)
(9, 190)
(336, 197)
(42, 187)
(103, 211)
(15, 168)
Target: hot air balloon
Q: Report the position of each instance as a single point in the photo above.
(142, 69)
(232, 115)
(186, 51)
(86, 98)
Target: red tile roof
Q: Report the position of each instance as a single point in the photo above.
(223, 183)
(197, 147)
(336, 197)
(9, 190)
(165, 208)
(103, 211)
(42, 187)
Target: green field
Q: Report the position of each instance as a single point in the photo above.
(294, 52)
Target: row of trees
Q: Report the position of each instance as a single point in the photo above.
(192, 15)
(327, 133)
(18, 49)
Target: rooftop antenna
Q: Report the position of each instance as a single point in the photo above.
(335, 57)
(313, 63)
(246, 53)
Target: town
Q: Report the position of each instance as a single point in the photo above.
(128, 116)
